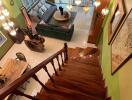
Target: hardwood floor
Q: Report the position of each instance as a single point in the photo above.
(80, 79)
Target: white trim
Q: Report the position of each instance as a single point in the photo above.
(3, 41)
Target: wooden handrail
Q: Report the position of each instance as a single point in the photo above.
(6, 90)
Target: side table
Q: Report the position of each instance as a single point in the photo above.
(57, 16)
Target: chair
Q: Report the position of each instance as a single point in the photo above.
(21, 57)
(3, 79)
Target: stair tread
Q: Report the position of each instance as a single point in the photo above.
(85, 89)
(70, 67)
(89, 83)
(83, 77)
(62, 92)
(56, 97)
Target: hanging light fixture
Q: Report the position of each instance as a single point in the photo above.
(69, 6)
(97, 3)
(86, 7)
(10, 23)
(6, 23)
(77, 2)
(105, 11)
(5, 12)
(2, 17)
(6, 26)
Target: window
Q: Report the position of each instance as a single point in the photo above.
(28, 3)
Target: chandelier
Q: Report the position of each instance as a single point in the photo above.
(97, 3)
(6, 23)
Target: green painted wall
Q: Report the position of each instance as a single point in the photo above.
(111, 81)
(15, 13)
(120, 84)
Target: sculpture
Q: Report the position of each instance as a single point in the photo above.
(3, 79)
(61, 10)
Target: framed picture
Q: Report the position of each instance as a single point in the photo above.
(2, 39)
(122, 44)
(117, 18)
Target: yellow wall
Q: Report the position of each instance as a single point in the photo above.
(125, 81)
(120, 84)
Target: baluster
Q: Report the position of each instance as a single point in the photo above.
(58, 63)
(36, 78)
(52, 62)
(45, 68)
(66, 52)
(62, 60)
(17, 92)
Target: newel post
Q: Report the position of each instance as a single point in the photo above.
(66, 52)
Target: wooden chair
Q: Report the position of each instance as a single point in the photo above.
(21, 57)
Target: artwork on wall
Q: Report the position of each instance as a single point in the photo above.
(116, 20)
(3, 39)
(122, 44)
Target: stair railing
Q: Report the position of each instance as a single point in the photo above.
(13, 87)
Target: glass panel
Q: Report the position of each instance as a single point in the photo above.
(72, 1)
(83, 2)
(28, 3)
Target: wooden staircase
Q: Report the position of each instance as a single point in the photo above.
(79, 79)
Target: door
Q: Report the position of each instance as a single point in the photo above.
(97, 21)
